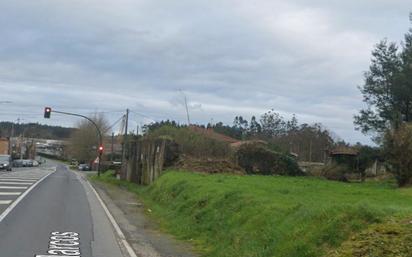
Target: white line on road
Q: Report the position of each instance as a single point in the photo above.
(21, 177)
(26, 178)
(14, 183)
(5, 201)
(10, 193)
(116, 227)
(10, 187)
(14, 204)
(17, 179)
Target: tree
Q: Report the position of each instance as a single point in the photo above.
(379, 90)
(398, 152)
(254, 128)
(241, 125)
(230, 131)
(292, 125)
(272, 124)
(387, 88)
(84, 141)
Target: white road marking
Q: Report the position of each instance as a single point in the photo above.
(21, 197)
(63, 244)
(10, 193)
(14, 183)
(17, 179)
(119, 232)
(5, 201)
(10, 187)
(20, 177)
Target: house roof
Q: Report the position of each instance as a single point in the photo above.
(343, 150)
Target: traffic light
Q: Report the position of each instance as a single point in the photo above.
(47, 112)
(101, 148)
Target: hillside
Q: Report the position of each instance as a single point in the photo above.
(35, 130)
(257, 216)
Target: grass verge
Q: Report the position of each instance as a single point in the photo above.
(262, 216)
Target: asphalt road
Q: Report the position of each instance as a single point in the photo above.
(55, 213)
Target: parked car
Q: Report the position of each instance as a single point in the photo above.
(27, 163)
(35, 163)
(84, 167)
(5, 162)
(74, 162)
(18, 163)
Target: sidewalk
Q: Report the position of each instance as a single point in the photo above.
(141, 233)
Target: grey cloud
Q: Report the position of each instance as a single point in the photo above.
(230, 57)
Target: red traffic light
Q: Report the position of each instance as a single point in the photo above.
(101, 148)
(47, 112)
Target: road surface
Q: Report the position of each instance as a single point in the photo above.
(51, 211)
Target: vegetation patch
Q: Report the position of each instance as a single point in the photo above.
(208, 165)
(259, 216)
(192, 143)
(390, 239)
(258, 159)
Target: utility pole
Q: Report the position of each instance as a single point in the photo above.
(310, 151)
(187, 109)
(112, 150)
(124, 165)
(127, 124)
(187, 112)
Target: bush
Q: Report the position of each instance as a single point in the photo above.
(336, 172)
(257, 159)
(398, 152)
(192, 143)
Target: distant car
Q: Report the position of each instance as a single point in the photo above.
(5, 162)
(18, 163)
(39, 160)
(35, 163)
(27, 163)
(84, 167)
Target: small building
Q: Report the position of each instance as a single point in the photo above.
(343, 155)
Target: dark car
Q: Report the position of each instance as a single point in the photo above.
(18, 163)
(5, 162)
(84, 167)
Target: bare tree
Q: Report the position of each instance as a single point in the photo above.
(85, 141)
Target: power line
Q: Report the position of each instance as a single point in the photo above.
(117, 121)
(141, 114)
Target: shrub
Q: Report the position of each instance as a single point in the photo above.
(257, 159)
(336, 172)
(398, 152)
(193, 143)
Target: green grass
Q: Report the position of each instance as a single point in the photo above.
(262, 216)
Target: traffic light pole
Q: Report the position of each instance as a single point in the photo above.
(98, 133)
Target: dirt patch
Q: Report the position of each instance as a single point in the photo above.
(208, 165)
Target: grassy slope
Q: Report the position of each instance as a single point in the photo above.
(255, 216)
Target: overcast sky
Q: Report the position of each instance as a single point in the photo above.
(230, 57)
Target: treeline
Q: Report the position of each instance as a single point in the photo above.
(308, 141)
(34, 130)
